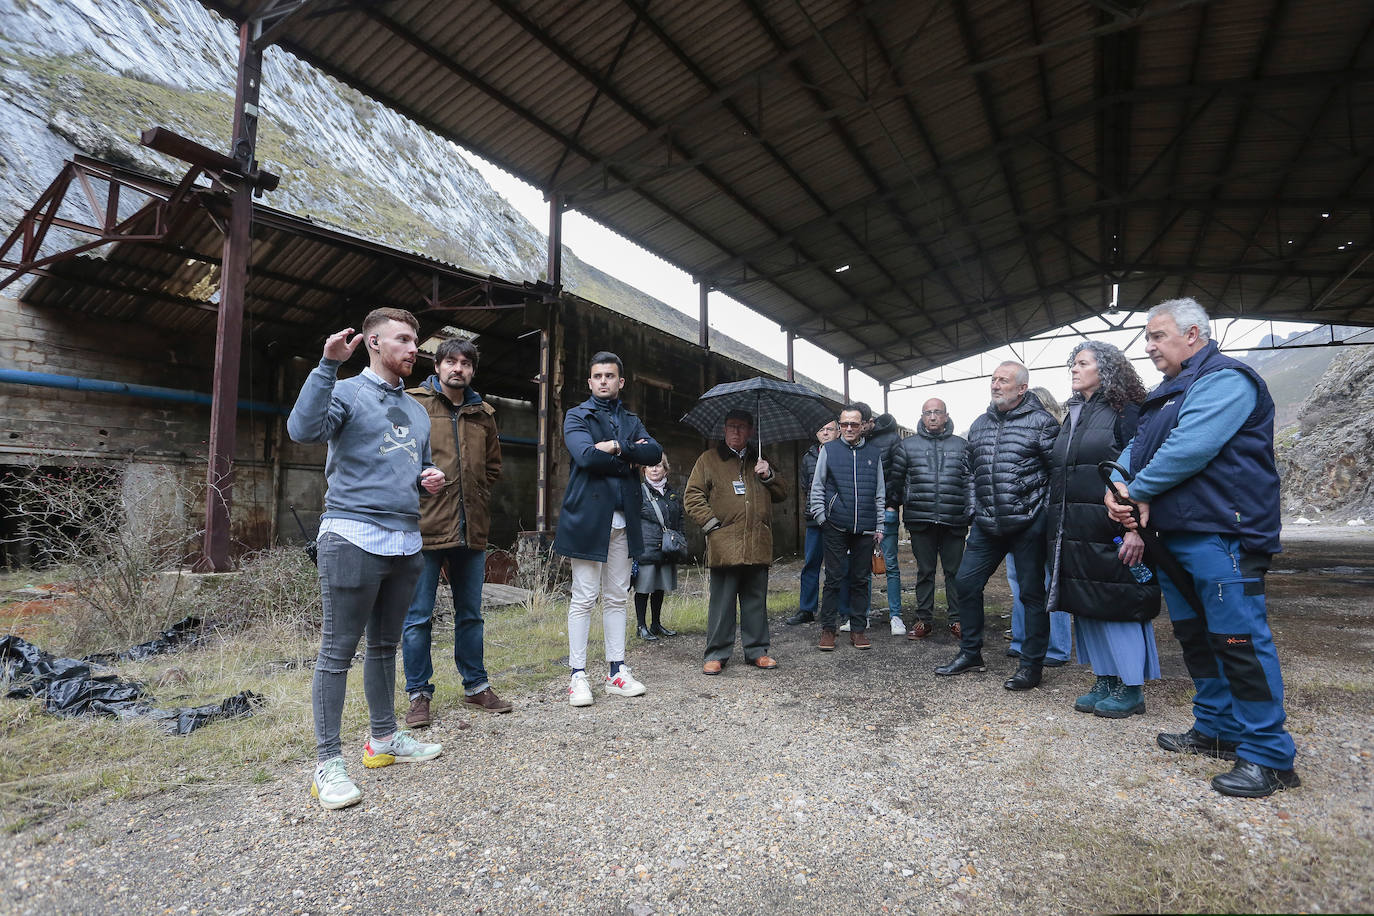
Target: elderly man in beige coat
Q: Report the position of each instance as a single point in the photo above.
(730, 494)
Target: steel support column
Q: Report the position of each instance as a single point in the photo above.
(238, 241)
(555, 277)
(791, 365)
(703, 325)
(887, 388)
(846, 383)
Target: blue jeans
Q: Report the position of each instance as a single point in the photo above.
(466, 570)
(1230, 655)
(1061, 622)
(982, 555)
(894, 574)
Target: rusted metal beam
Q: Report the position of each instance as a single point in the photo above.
(543, 449)
(703, 315)
(238, 243)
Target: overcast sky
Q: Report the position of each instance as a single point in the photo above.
(961, 385)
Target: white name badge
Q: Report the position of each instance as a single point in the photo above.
(739, 488)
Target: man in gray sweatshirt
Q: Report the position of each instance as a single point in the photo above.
(369, 537)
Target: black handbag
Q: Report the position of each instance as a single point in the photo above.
(674, 541)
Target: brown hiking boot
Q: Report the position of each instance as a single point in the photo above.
(488, 701)
(859, 640)
(827, 643)
(418, 717)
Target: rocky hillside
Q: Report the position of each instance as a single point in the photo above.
(87, 76)
(1327, 469)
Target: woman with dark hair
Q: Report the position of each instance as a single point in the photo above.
(655, 571)
(1089, 579)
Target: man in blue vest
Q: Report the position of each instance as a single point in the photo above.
(847, 499)
(1206, 482)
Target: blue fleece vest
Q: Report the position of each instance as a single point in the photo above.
(1237, 493)
(851, 485)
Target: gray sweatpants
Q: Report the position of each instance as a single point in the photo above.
(361, 591)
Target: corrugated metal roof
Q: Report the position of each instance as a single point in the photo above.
(979, 165)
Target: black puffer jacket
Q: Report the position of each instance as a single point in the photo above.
(1087, 578)
(670, 504)
(885, 437)
(809, 474)
(930, 478)
(1010, 455)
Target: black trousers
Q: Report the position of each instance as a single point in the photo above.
(747, 588)
(983, 554)
(848, 556)
(928, 544)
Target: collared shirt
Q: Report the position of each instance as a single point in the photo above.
(370, 536)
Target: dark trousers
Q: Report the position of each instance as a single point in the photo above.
(982, 555)
(746, 586)
(847, 562)
(928, 544)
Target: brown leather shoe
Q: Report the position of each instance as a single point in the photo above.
(418, 716)
(488, 701)
(827, 643)
(763, 661)
(957, 630)
(919, 630)
(714, 666)
(860, 641)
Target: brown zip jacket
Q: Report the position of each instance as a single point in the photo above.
(739, 529)
(466, 495)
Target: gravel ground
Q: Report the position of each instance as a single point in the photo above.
(839, 783)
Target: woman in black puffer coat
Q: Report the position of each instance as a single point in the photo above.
(654, 572)
(1112, 611)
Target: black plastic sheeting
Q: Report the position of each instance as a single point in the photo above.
(185, 632)
(69, 687)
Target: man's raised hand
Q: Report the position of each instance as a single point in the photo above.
(338, 347)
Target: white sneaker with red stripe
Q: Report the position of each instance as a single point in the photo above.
(623, 683)
(579, 691)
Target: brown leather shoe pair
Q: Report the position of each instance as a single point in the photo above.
(860, 641)
(418, 716)
(827, 643)
(714, 666)
(919, 630)
(488, 701)
(765, 662)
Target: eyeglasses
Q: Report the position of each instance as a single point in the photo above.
(850, 425)
(932, 413)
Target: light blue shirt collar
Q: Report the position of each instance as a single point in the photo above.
(378, 380)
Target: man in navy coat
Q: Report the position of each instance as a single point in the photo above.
(607, 443)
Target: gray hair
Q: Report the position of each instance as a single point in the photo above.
(1116, 377)
(1022, 373)
(1049, 402)
(1186, 314)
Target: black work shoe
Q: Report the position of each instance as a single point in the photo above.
(964, 661)
(660, 630)
(1012, 653)
(799, 618)
(1253, 780)
(1195, 742)
(1055, 662)
(645, 635)
(1026, 677)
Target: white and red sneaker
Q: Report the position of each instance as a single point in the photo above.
(623, 683)
(579, 691)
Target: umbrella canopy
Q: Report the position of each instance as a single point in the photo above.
(782, 410)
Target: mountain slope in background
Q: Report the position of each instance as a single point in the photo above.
(1327, 471)
(89, 77)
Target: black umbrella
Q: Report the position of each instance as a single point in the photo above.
(785, 410)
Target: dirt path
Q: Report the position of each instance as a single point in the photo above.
(839, 783)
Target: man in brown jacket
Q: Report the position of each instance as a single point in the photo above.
(730, 495)
(454, 523)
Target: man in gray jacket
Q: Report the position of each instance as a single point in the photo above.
(1010, 450)
(369, 536)
(930, 481)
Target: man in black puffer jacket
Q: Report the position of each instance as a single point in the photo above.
(930, 481)
(1010, 450)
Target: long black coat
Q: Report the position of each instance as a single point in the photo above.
(670, 504)
(1087, 577)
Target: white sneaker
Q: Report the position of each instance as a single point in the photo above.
(579, 691)
(623, 683)
(844, 627)
(332, 786)
(402, 748)
(898, 628)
